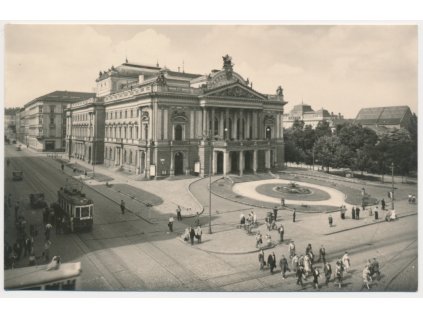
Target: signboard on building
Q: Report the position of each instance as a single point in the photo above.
(152, 170)
(197, 167)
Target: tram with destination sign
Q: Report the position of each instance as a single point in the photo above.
(74, 209)
(64, 277)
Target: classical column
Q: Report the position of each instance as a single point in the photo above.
(172, 163)
(221, 125)
(241, 125)
(204, 130)
(234, 126)
(247, 129)
(255, 125)
(214, 168)
(212, 123)
(227, 124)
(267, 154)
(255, 161)
(241, 163)
(225, 163)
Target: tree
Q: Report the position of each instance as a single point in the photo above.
(331, 153)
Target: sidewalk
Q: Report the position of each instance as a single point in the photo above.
(172, 192)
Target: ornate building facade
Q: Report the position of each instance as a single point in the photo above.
(42, 120)
(160, 123)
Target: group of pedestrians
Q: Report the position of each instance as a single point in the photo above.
(304, 266)
(190, 234)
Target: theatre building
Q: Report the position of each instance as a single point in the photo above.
(160, 123)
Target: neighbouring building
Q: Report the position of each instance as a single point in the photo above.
(385, 118)
(10, 131)
(310, 117)
(42, 120)
(160, 123)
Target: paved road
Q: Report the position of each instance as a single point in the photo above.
(124, 252)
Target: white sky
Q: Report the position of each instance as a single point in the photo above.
(340, 67)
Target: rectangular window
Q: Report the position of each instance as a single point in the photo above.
(52, 108)
(85, 211)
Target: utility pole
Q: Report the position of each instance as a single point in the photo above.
(392, 199)
(210, 178)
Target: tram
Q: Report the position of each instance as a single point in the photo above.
(74, 209)
(65, 277)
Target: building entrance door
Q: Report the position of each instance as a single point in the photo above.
(179, 163)
(248, 161)
(234, 161)
(219, 162)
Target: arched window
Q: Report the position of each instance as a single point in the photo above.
(130, 132)
(130, 156)
(178, 132)
(110, 153)
(136, 132)
(124, 156)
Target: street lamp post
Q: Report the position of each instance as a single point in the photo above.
(392, 198)
(210, 178)
(313, 157)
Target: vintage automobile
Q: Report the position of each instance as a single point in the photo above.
(17, 175)
(18, 148)
(37, 200)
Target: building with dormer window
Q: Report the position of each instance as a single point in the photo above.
(160, 123)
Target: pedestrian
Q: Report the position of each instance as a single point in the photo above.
(271, 260)
(47, 231)
(375, 268)
(328, 272)
(366, 277)
(268, 240)
(342, 212)
(45, 215)
(293, 216)
(357, 213)
(346, 261)
(370, 211)
(283, 263)
(282, 202)
(300, 273)
(178, 213)
(197, 219)
(242, 221)
(46, 252)
(316, 275)
(281, 231)
(376, 213)
(27, 246)
(309, 249)
(198, 234)
(294, 263)
(291, 249)
(259, 239)
(63, 167)
(410, 197)
(32, 259)
(170, 224)
(275, 212)
(330, 219)
(261, 259)
(353, 213)
(383, 204)
(338, 273)
(192, 235)
(17, 249)
(322, 254)
(122, 206)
